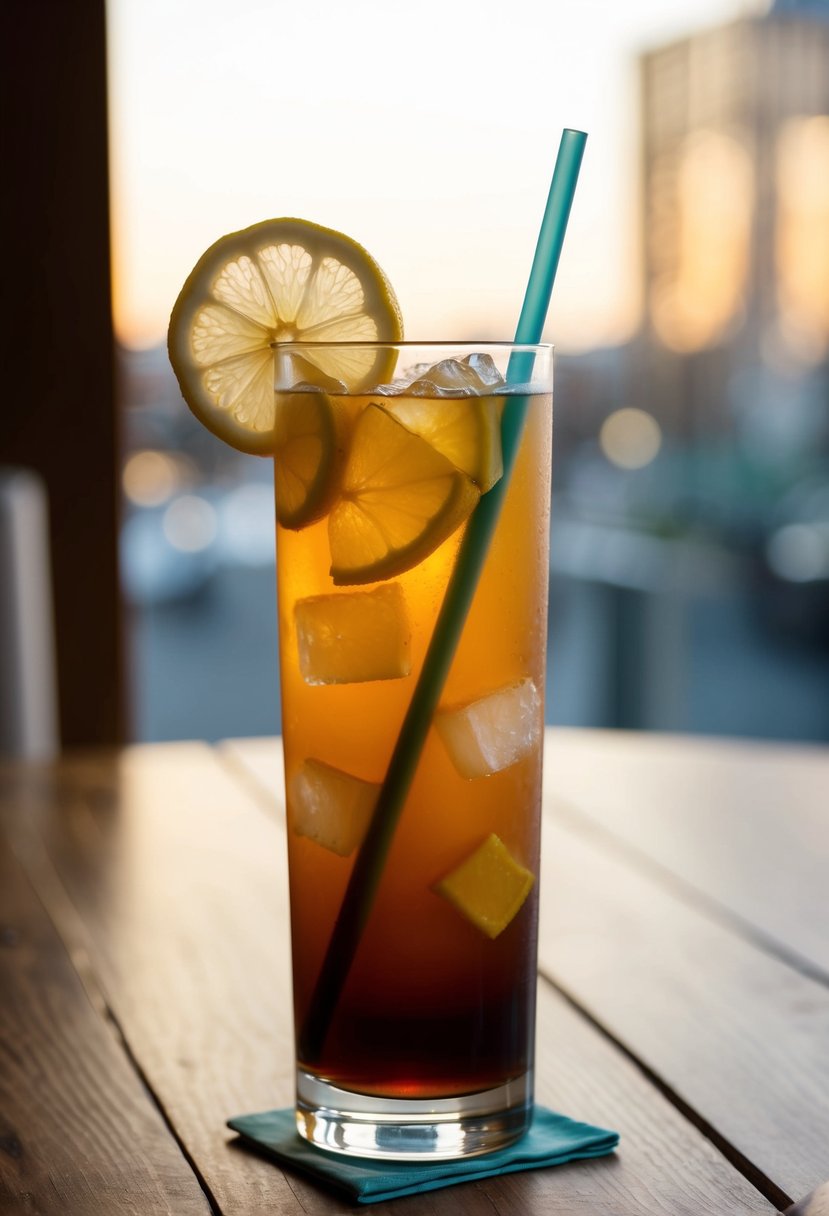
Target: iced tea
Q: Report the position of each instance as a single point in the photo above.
(439, 1002)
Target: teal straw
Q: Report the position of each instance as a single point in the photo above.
(368, 866)
(551, 237)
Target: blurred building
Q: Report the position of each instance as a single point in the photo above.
(691, 531)
(735, 225)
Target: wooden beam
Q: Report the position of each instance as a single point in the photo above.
(59, 414)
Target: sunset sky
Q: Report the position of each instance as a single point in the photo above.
(426, 132)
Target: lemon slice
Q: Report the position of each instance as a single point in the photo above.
(307, 455)
(284, 280)
(398, 501)
(465, 430)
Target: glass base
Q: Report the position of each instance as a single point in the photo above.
(425, 1129)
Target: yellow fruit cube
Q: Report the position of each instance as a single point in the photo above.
(494, 732)
(330, 807)
(489, 887)
(354, 637)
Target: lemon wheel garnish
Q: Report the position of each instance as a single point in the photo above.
(465, 430)
(306, 455)
(284, 280)
(398, 501)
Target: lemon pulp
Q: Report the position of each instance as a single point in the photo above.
(399, 499)
(284, 280)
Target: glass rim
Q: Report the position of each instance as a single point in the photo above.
(475, 344)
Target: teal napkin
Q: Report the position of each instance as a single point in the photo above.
(552, 1139)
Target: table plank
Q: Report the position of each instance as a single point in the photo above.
(740, 1036)
(260, 764)
(178, 878)
(744, 824)
(580, 1072)
(815, 1204)
(78, 1132)
(153, 849)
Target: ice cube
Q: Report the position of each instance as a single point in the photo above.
(470, 376)
(449, 378)
(331, 807)
(395, 389)
(467, 377)
(489, 887)
(354, 637)
(400, 384)
(494, 732)
(325, 383)
(486, 370)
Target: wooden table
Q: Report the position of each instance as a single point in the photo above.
(683, 999)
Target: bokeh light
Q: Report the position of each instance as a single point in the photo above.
(799, 553)
(190, 523)
(702, 286)
(802, 235)
(630, 438)
(150, 478)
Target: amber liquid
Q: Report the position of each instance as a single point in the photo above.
(431, 1007)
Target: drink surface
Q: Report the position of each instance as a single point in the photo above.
(434, 1005)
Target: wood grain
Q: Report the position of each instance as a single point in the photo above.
(744, 824)
(179, 884)
(738, 1035)
(814, 1204)
(153, 851)
(78, 1132)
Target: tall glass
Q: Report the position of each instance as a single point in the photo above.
(425, 1048)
